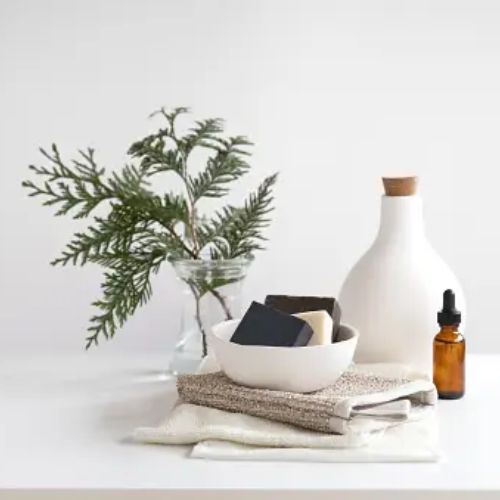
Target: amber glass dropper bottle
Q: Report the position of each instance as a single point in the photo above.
(449, 351)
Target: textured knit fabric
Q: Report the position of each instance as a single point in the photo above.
(328, 410)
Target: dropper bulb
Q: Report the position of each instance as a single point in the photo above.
(448, 300)
(449, 314)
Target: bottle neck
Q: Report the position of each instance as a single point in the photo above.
(401, 219)
(450, 328)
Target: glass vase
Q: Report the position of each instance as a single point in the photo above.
(211, 293)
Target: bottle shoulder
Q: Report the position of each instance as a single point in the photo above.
(449, 337)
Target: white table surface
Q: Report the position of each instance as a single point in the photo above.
(65, 422)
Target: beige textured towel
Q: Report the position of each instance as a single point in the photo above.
(328, 410)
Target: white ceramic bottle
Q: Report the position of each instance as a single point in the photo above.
(393, 293)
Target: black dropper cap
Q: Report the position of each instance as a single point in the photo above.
(450, 315)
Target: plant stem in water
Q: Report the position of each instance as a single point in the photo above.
(199, 321)
(222, 301)
(200, 326)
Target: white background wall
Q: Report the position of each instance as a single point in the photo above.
(335, 94)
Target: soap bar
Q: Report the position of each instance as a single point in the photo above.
(263, 325)
(322, 325)
(294, 304)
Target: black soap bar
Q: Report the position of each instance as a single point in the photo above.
(294, 304)
(263, 325)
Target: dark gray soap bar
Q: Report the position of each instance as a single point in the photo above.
(263, 325)
(292, 304)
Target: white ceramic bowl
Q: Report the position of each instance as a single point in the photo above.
(294, 369)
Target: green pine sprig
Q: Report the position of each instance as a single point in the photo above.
(142, 228)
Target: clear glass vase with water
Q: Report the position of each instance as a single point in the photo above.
(211, 293)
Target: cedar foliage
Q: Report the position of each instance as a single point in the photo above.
(143, 229)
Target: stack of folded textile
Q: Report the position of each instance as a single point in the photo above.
(372, 413)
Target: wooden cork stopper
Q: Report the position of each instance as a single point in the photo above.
(400, 186)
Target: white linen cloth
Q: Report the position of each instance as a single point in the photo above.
(373, 435)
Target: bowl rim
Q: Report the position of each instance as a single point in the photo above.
(354, 331)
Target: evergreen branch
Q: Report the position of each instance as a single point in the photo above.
(236, 231)
(122, 229)
(155, 157)
(79, 186)
(203, 134)
(83, 186)
(125, 288)
(118, 232)
(141, 228)
(128, 284)
(153, 151)
(171, 117)
(225, 167)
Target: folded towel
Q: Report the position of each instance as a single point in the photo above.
(415, 441)
(370, 437)
(329, 410)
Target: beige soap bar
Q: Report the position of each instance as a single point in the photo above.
(322, 325)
